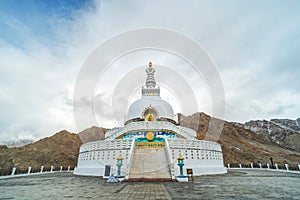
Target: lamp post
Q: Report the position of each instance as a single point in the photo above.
(119, 165)
(180, 164)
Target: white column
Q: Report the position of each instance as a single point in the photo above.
(29, 169)
(68, 168)
(51, 169)
(299, 167)
(42, 168)
(276, 165)
(252, 165)
(61, 168)
(268, 165)
(228, 165)
(13, 171)
(260, 165)
(286, 166)
(240, 165)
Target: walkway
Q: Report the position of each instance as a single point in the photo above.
(237, 184)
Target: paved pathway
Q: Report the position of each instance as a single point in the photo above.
(141, 191)
(247, 184)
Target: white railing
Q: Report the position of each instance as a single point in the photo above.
(170, 161)
(158, 125)
(194, 144)
(260, 166)
(130, 155)
(14, 172)
(105, 144)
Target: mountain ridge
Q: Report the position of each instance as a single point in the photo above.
(252, 142)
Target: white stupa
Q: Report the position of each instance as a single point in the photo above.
(150, 144)
(151, 103)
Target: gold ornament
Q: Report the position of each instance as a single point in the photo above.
(150, 136)
(150, 117)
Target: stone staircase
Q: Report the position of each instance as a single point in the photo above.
(149, 163)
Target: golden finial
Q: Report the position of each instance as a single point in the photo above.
(120, 157)
(150, 64)
(180, 157)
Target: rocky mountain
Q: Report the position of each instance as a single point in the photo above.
(3, 147)
(284, 132)
(18, 143)
(293, 125)
(244, 143)
(92, 134)
(254, 141)
(60, 149)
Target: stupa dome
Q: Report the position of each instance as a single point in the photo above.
(151, 107)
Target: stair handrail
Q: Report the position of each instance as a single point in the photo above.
(170, 160)
(130, 155)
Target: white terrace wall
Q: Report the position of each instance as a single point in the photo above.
(93, 156)
(204, 157)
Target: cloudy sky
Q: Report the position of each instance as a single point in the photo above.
(255, 46)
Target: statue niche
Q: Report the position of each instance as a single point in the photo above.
(150, 115)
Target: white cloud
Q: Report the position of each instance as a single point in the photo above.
(252, 43)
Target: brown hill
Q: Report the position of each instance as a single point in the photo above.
(92, 134)
(241, 145)
(59, 149)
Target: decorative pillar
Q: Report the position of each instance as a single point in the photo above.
(260, 165)
(276, 165)
(240, 165)
(42, 168)
(61, 168)
(180, 164)
(119, 165)
(299, 167)
(29, 169)
(13, 171)
(228, 165)
(252, 165)
(51, 169)
(268, 165)
(68, 168)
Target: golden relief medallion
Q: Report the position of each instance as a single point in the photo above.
(150, 136)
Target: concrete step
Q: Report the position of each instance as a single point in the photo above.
(149, 163)
(149, 180)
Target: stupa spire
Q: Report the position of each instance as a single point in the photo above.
(150, 81)
(150, 89)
